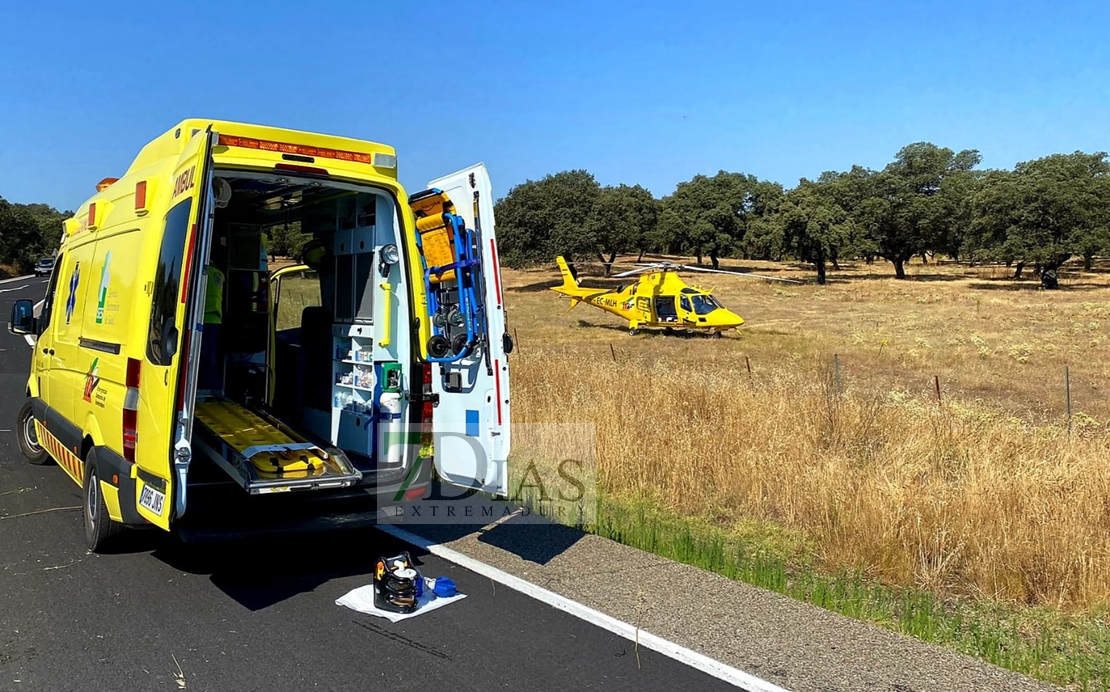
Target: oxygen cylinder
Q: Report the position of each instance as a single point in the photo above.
(390, 434)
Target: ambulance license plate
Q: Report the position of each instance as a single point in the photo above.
(152, 499)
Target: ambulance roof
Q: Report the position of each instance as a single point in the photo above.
(171, 143)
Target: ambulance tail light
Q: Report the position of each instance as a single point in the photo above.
(427, 407)
(131, 409)
(295, 168)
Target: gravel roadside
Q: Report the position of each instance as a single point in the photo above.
(771, 636)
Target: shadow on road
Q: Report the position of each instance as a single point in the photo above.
(538, 543)
(260, 573)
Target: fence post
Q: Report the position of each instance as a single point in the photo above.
(1067, 394)
(748, 362)
(613, 351)
(936, 382)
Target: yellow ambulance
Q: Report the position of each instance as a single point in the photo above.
(186, 382)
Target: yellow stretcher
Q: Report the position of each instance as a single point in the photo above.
(436, 239)
(264, 455)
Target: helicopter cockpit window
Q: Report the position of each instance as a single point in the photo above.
(704, 304)
(685, 303)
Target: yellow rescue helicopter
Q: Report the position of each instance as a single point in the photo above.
(659, 299)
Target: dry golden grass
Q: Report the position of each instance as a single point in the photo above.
(985, 494)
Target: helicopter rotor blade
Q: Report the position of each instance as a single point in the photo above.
(632, 272)
(726, 271)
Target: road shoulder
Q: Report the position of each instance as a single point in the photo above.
(781, 640)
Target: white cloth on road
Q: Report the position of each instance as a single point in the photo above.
(362, 600)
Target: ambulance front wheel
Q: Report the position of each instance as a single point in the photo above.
(99, 527)
(29, 445)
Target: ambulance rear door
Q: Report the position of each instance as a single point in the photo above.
(167, 381)
(471, 421)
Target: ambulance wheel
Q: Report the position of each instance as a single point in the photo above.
(29, 437)
(99, 527)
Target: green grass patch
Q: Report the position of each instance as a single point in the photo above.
(1070, 650)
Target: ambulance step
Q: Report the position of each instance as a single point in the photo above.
(263, 455)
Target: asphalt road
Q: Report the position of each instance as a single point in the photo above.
(160, 615)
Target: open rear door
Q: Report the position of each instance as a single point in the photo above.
(169, 372)
(471, 422)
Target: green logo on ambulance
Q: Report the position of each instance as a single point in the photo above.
(102, 294)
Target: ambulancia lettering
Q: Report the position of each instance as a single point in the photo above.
(184, 182)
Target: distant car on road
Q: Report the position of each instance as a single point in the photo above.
(44, 266)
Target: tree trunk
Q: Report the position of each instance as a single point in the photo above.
(899, 267)
(820, 264)
(924, 259)
(716, 262)
(1051, 270)
(1036, 269)
(699, 258)
(641, 257)
(1018, 269)
(1049, 277)
(1088, 260)
(835, 264)
(608, 263)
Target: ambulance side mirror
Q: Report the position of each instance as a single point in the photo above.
(23, 318)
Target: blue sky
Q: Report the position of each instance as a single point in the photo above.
(648, 92)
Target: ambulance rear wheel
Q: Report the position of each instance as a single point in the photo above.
(99, 527)
(29, 445)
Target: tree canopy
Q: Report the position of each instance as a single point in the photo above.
(28, 232)
(929, 200)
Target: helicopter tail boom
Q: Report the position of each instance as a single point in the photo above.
(569, 282)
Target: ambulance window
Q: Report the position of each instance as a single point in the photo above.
(296, 291)
(51, 291)
(163, 338)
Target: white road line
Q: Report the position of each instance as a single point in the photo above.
(17, 288)
(701, 662)
(16, 278)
